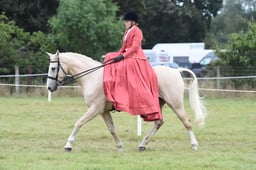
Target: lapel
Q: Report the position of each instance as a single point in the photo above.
(128, 33)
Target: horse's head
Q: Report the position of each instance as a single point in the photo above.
(56, 72)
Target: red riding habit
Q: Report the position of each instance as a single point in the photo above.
(131, 84)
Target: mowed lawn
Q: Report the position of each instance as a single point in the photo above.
(33, 133)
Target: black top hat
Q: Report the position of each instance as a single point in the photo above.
(131, 16)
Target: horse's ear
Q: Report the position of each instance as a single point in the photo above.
(49, 54)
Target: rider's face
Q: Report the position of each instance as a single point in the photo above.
(128, 24)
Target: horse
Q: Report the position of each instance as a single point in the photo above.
(89, 74)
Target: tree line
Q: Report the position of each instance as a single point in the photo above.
(30, 28)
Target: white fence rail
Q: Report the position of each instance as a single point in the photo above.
(16, 84)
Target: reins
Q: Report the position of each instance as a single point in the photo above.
(71, 79)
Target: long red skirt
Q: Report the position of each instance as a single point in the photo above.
(131, 85)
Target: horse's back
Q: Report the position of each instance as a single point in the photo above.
(168, 76)
(170, 83)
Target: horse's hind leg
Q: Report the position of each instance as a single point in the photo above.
(146, 139)
(111, 127)
(180, 112)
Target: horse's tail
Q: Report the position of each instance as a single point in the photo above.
(194, 98)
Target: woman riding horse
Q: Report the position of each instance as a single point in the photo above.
(131, 83)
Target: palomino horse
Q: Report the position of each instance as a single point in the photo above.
(171, 91)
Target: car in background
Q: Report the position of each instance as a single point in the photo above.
(200, 68)
(182, 61)
(159, 58)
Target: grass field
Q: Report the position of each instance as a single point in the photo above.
(33, 133)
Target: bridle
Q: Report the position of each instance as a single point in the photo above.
(69, 79)
(56, 78)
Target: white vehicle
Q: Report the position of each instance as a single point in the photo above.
(159, 58)
(184, 54)
(179, 46)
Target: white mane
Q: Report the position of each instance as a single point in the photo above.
(82, 58)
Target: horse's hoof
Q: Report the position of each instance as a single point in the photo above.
(141, 148)
(194, 147)
(119, 148)
(68, 149)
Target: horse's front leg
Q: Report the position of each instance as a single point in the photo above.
(146, 139)
(111, 127)
(87, 116)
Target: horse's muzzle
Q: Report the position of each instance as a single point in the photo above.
(52, 89)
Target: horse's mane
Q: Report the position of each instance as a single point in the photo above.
(82, 58)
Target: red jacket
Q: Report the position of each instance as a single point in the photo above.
(132, 44)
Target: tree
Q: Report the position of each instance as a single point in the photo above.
(208, 8)
(21, 48)
(172, 20)
(88, 27)
(167, 22)
(240, 49)
(31, 15)
(240, 54)
(22, 45)
(233, 18)
(249, 7)
(9, 43)
(127, 5)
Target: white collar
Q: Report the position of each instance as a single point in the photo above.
(128, 32)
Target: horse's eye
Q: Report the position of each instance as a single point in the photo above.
(53, 68)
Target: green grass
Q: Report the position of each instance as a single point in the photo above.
(33, 133)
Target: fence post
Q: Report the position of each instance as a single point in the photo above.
(17, 79)
(139, 125)
(49, 96)
(218, 76)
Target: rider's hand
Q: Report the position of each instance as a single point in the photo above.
(118, 58)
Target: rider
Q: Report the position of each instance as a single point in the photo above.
(131, 83)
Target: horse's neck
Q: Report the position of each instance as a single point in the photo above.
(78, 63)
